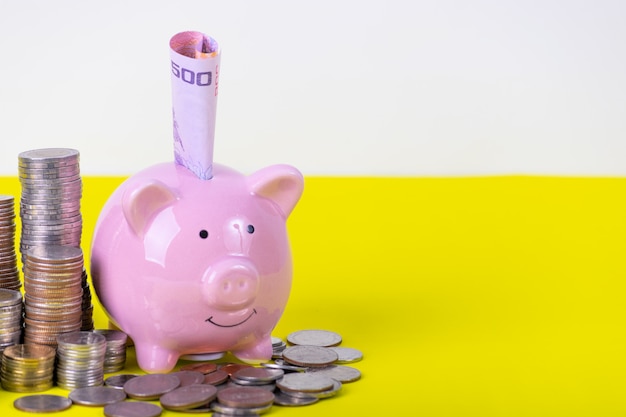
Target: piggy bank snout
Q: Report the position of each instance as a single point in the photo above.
(230, 284)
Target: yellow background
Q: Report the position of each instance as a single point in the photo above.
(486, 296)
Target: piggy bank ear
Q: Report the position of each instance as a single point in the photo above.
(282, 184)
(140, 204)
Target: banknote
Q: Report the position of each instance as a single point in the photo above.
(195, 60)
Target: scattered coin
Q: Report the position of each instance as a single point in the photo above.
(231, 368)
(340, 373)
(189, 377)
(118, 381)
(150, 387)
(42, 403)
(280, 398)
(219, 410)
(96, 396)
(284, 367)
(258, 376)
(323, 338)
(305, 382)
(245, 397)
(346, 354)
(204, 367)
(216, 378)
(188, 397)
(305, 355)
(132, 409)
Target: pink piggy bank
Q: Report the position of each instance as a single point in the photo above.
(187, 266)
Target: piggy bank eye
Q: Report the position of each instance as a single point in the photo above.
(250, 229)
(204, 234)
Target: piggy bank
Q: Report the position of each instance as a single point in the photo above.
(187, 266)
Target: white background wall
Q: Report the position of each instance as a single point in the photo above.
(384, 87)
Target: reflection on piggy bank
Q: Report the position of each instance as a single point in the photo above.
(187, 266)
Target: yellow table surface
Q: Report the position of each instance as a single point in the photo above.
(488, 296)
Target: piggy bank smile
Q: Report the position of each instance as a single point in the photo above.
(213, 320)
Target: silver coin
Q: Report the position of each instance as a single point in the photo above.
(42, 403)
(189, 377)
(305, 382)
(323, 338)
(258, 375)
(48, 154)
(96, 396)
(281, 398)
(150, 387)
(188, 397)
(219, 410)
(245, 397)
(305, 355)
(55, 254)
(340, 373)
(319, 394)
(132, 409)
(284, 367)
(118, 381)
(346, 354)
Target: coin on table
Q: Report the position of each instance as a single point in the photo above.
(280, 398)
(216, 378)
(188, 397)
(132, 409)
(96, 396)
(245, 397)
(258, 375)
(346, 354)
(304, 355)
(340, 373)
(42, 403)
(305, 382)
(150, 387)
(118, 381)
(204, 367)
(221, 410)
(189, 377)
(231, 368)
(323, 338)
(284, 367)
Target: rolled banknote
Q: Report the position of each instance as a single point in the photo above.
(195, 60)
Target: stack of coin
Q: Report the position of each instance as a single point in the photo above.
(27, 368)
(115, 356)
(80, 360)
(10, 317)
(50, 201)
(87, 306)
(9, 274)
(278, 345)
(53, 293)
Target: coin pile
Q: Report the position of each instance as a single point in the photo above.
(50, 201)
(80, 360)
(115, 355)
(10, 317)
(27, 368)
(53, 293)
(9, 274)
